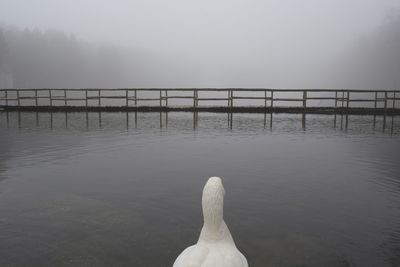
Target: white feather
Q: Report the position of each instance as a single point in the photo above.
(215, 247)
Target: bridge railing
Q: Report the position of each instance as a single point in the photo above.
(227, 97)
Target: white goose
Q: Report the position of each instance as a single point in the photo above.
(215, 247)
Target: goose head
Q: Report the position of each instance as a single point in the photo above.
(213, 203)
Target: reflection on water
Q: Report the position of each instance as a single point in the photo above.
(116, 189)
(340, 121)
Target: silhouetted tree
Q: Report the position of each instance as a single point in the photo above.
(374, 61)
(52, 59)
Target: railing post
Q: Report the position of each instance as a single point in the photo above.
(232, 98)
(375, 106)
(336, 101)
(342, 110)
(126, 96)
(335, 111)
(194, 99)
(65, 97)
(265, 99)
(342, 101)
(166, 98)
(135, 98)
(6, 92)
(99, 101)
(197, 98)
(385, 107)
(347, 108)
(304, 100)
(272, 99)
(50, 99)
(86, 98)
(18, 100)
(394, 104)
(160, 100)
(385, 112)
(36, 97)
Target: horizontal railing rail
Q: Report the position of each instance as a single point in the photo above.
(96, 97)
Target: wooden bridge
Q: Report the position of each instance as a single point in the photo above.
(253, 100)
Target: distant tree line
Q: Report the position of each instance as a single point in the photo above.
(374, 60)
(53, 59)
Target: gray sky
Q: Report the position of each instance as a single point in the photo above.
(251, 43)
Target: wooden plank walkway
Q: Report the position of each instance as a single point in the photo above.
(329, 101)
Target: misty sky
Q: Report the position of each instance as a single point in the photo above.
(251, 43)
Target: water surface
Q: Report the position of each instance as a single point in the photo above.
(118, 190)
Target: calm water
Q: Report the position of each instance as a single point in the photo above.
(124, 191)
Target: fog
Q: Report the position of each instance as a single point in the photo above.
(184, 43)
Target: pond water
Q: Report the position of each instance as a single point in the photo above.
(81, 189)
